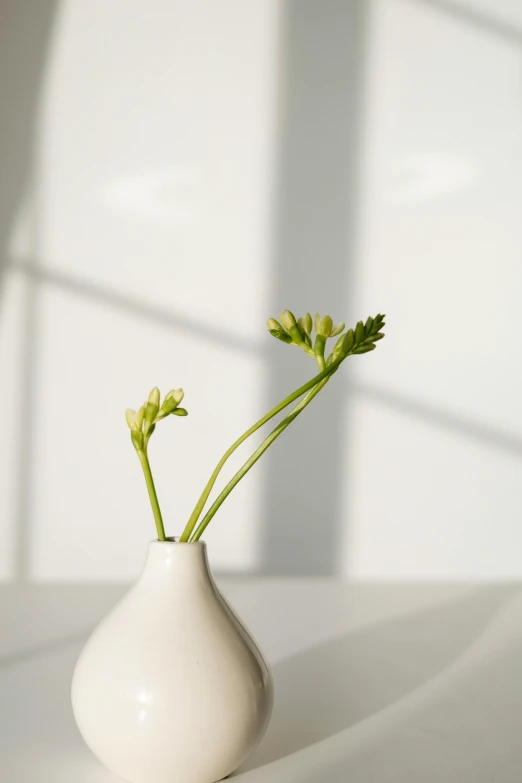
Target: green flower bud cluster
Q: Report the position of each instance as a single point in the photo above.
(362, 339)
(143, 421)
(298, 331)
(290, 330)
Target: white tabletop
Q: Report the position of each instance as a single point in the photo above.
(374, 684)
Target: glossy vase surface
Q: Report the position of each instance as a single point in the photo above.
(171, 687)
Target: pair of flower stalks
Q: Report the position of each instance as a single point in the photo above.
(311, 337)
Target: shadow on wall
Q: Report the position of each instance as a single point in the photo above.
(25, 32)
(315, 216)
(25, 29)
(315, 201)
(321, 76)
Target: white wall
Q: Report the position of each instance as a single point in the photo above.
(187, 173)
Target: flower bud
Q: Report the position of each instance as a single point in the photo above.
(151, 411)
(306, 324)
(273, 325)
(359, 332)
(348, 341)
(178, 396)
(287, 319)
(323, 326)
(130, 415)
(301, 324)
(290, 324)
(172, 400)
(167, 407)
(154, 396)
(338, 347)
(180, 412)
(327, 325)
(139, 417)
(298, 337)
(152, 406)
(337, 329)
(365, 348)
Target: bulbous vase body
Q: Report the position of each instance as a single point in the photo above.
(171, 687)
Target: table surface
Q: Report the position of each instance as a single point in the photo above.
(374, 684)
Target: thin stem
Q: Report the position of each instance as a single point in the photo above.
(321, 363)
(281, 427)
(152, 494)
(326, 372)
(319, 346)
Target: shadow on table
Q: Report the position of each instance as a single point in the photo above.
(324, 690)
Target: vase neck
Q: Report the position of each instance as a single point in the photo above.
(170, 561)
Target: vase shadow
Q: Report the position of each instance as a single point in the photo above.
(326, 689)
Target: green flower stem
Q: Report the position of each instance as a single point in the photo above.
(142, 454)
(321, 363)
(281, 427)
(326, 372)
(320, 343)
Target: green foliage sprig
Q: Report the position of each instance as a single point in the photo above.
(312, 337)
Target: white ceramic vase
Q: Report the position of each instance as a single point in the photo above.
(171, 687)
